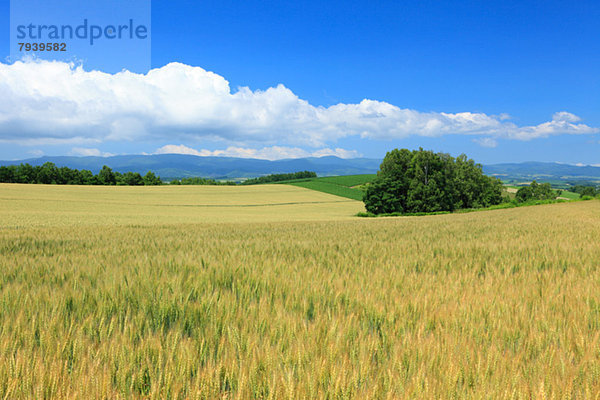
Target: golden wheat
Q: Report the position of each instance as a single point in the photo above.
(146, 292)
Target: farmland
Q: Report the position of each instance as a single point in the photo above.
(85, 205)
(275, 291)
(347, 186)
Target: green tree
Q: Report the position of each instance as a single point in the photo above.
(7, 174)
(87, 178)
(535, 191)
(47, 173)
(588, 191)
(151, 179)
(383, 196)
(131, 179)
(424, 181)
(106, 176)
(524, 193)
(544, 192)
(585, 190)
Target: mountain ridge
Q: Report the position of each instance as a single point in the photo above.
(182, 165)
(170, 166)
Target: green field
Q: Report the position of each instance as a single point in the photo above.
(275, 291)
(343, 186)
(569, 195)
(349, 180)
(331, 188)
(512, 189)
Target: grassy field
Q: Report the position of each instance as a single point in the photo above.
(104, 298)
(569, 195)
(349, 180)
(343, 186)
(331, 188)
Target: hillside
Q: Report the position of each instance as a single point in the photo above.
(344, 186)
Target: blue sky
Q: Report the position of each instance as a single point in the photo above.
(501, 81)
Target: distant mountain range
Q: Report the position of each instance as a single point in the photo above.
(543, 171)
(170, 166)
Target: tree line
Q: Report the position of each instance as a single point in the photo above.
(252, 181)
(200, 181)
(279, 177)
(49, 173)
(423, 181)
(583, 190)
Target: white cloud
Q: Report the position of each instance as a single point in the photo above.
(82, 151)
(265, 153)
(486, 142)
(56, 102)
(565, 116)
(582, 164)
(341, 153)
(181, 149)
(36, 153)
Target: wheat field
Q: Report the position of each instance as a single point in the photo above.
(279, 292)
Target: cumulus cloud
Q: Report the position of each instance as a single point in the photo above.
(181, 149)
(486, 142)
(36, 152)
(265, 153)
(82, 151)
(581, 164)
(57, 102)
(341, 153)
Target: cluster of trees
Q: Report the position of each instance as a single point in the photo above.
(423, 181)
(200, 181)
(49, 173)
(279, 177)
(536, 191)
(252, 181)
(585, 190)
